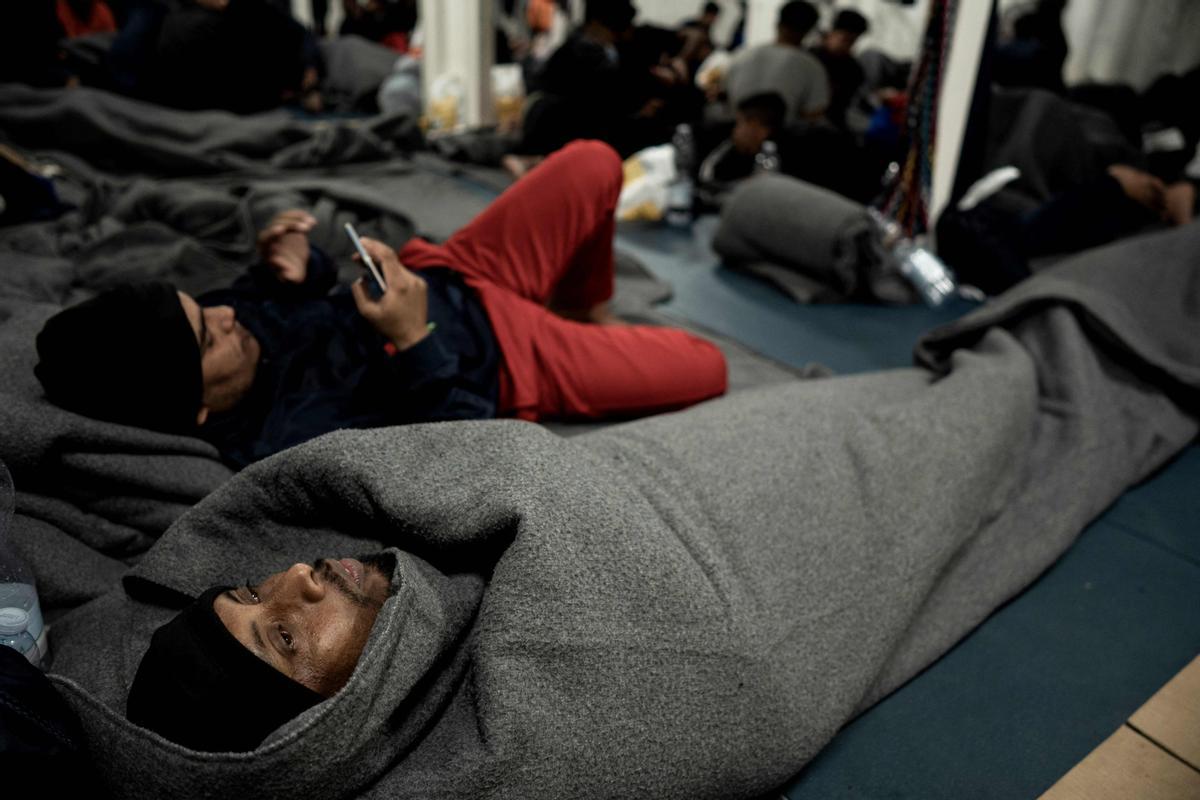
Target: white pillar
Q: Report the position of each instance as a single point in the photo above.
(954, 100)
(761, 16)
(460, 41)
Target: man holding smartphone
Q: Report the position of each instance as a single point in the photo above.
(509, 317)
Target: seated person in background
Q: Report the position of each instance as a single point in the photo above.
(783, 67)
(758, 119)
(845, 74)
(462, 332)
(81, 17)
(243, 56)
(816, 153)
(389, 22)
(598, 85)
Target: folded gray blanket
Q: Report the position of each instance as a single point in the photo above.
(812, 243)
(684, 606)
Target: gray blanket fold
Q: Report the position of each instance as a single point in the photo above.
(128, 135)
(812, 243)
(685, 606)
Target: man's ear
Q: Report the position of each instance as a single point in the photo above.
(201, 416)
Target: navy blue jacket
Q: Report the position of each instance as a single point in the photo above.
(323, 367)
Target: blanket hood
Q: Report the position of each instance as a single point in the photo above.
(411, 668)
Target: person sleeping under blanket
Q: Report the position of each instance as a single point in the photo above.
(462, 332)
(689, 605)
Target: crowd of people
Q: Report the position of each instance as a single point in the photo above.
(633, 85)
(240, 55)
(509, 316)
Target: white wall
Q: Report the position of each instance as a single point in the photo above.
(460, 41)
(1131, 42)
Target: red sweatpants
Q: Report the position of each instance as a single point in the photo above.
(549, 237)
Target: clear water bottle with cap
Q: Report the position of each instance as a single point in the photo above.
(928, 274)
(767, 160)
(21, 625)
(679, 193)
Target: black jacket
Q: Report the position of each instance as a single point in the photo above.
(323, 367)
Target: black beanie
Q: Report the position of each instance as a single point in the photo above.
(128, 355)
(850, 21)
(200, 687)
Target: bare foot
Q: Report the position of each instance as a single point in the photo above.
(1139, 186)
(1179, 203)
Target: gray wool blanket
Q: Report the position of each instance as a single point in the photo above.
(163, 194)
(685, 606)
(812, 243)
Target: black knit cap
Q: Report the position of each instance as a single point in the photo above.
(850, 21)
(128, 355)
(200, 687)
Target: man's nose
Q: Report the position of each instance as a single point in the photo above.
(303, 582)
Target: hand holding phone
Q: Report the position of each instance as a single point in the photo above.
(401, 312)
(367, 261)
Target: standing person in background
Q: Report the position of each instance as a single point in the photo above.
(845, 74)
(784, 67)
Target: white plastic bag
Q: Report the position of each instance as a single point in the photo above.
(648, 176)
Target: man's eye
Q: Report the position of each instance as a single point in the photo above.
(286, 638)
(248, 590)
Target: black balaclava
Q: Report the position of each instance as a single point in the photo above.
(128, 355)
(200, 687)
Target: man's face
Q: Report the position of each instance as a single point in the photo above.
(309, 622)
(749, 134)
(228, 355)
(839, 42)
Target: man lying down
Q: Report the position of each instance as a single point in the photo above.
(689, 605)
(462, 332)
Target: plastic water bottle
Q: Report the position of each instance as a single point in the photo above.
(21, 625)
(679, 193)
(932, 279)
(767, 159)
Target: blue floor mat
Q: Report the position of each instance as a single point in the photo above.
(1034, 689)
(1047, 677)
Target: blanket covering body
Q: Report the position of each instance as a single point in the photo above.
(684, 606)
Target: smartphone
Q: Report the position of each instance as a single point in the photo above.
(368, 263)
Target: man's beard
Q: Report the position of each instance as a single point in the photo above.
(381, 563)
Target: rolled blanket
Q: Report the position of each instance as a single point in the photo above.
(814, 244)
